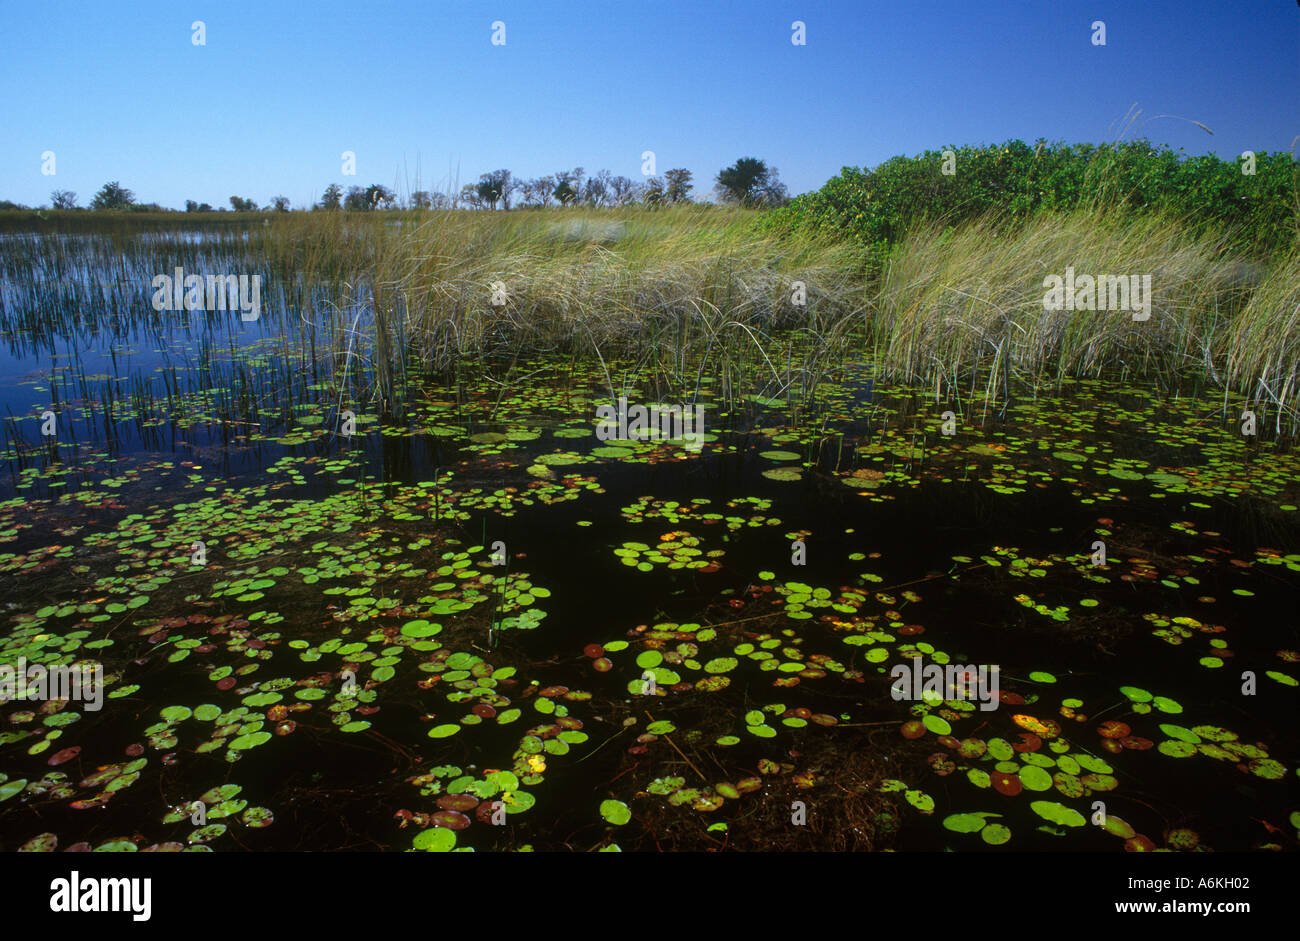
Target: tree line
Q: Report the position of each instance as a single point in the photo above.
(748, 182)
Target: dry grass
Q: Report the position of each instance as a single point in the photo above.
(970, 303)
(1262, 349)
(604, 280)
(698, 289)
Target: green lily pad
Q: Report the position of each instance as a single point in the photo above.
(615, 812)
(1058, 813)
(435, 840)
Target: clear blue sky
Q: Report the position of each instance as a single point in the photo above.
(119, 92)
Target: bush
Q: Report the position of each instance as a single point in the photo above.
(1014, 180)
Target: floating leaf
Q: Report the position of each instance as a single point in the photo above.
(435, 840)
(615, 812)
(967, 823)
(1058, 813)
(995, 834)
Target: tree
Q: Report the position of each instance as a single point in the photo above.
(596, 191)
(280, 203)
(509, 186)
(565, 193)
(332, 198)
(191, 206)
(489, 190)
(421, 199)
(112, 196)
(207, 207)
(773, 192)
(355, 199)
(469, 195)
(239, 204)
(677, 186)
(63, 199)
(750, 182)
(497, 187)
(622, 191)
(568, 186)
(544, 190)
(653, 192)
(379, 197)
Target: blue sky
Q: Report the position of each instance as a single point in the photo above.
(119, 92)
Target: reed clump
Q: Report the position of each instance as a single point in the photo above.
(1262, 348)
(699, 294)
(578, 280)
(967, 304)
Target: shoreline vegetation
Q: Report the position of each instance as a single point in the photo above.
(935, 278)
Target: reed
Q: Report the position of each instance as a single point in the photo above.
(676, 299)
(966, 304)
(1262, 346)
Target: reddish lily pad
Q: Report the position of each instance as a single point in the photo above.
(451, 819)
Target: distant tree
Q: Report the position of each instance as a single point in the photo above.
(112, 196)
(332, 198)
(773, 192)
(280, 203)
(240, 204)
(509, 186)
(750, 182)
(568, 186)
(421, 199)
(63, 199)
(439, 201)
(9, 204)
(497, 187)
(565, 193)
(355, 200)
(544, 190)
(191, 206)
(207, 207)
(653, 193)
(379, 197)
(596, 190)
(677, 186)
(470, 197)
(489, 190)
(622, 191)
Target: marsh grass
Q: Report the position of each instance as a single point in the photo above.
(678, 294)
(676, 300)
(966, 305)
(1262, 349)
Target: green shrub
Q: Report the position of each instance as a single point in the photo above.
(1014, 180)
